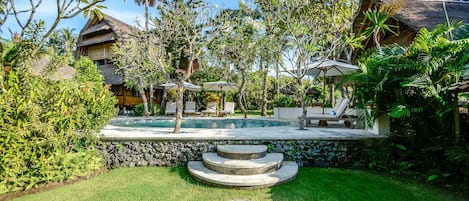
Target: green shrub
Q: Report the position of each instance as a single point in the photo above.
(139, 110)
(285, 101)
(48, 129)
(210, 97)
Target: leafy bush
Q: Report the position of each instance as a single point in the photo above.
(285, 101)
(212, 98)
(172, 94)
(139, 110)
(411, 85)
(48, 128)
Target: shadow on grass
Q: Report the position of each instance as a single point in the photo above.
(184, 175)
(333, 184)
(342, 184)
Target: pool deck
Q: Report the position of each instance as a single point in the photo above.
(335, 131)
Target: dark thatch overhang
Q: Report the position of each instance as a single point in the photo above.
(107, 29)
(110, 76)
(101, 27)
(107, 37)
(413, 16)
(418, 14)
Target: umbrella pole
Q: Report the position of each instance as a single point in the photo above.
(323, 123)
(324, 92)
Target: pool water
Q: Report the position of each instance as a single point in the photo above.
(199, 123)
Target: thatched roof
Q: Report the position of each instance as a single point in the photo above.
(107, 37)
(102, 26)
(413, 16)
(110, 76)
(40, 67)
(105, 30)
(424, 13)
(417, 14)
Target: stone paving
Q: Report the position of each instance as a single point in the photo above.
(333, 132)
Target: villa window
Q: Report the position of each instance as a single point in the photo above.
(100, 62)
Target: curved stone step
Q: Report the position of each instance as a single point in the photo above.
(286, 173)
(223, 165)
(242, 152)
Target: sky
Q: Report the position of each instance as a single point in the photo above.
(124, 10)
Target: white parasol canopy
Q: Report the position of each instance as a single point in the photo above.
(220, 86)
(328, 68)
(187, 85)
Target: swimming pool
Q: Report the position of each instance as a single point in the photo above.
(199, 123)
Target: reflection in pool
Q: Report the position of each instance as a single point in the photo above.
(199, 123)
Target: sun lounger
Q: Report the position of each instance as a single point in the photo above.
(335, 115)
(211, 108)
(190, 108)
(170, 108)
(328, 109)
(228, 109)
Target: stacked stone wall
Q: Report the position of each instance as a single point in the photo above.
(318, 153)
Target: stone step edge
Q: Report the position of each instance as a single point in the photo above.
(242, 152)
(286, 173)
(269, 163)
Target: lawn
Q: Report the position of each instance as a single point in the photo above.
(164, 183)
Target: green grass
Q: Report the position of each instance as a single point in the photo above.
(163, 183)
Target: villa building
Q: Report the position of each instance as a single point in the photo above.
(95, 41)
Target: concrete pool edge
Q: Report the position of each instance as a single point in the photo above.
(263, 133)
(199, 122)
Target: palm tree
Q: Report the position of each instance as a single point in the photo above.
(69, 38)
(63, 41)
(411, 84)
(147, 3)
(378, 21)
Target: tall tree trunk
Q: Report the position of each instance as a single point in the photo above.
(147, 18)
(299, 92)
(376, 39)
(179, 106)
(152, 99)
(141, 90)
(264, 91)
(342, 92)
(147, 41)
(347, 92)
(241, 94)
(332, 94)
(277, 76)
(457, 121)
(163, 102)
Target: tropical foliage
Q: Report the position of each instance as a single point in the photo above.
(48, 129)
(48, 124)
(411, 86)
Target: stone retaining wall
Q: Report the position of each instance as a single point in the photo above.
(320, 153)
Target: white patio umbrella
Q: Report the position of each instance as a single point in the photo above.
(220, 86)
(187, 85)
(328, 68)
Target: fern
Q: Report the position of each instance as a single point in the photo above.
(459, 155)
